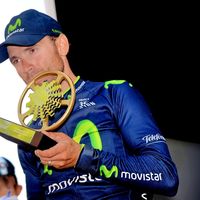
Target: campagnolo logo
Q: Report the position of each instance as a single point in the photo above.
(153, 138)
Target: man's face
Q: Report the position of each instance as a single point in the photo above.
(31, 60)
(9, 187)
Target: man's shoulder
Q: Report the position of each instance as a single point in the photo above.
(108, 84)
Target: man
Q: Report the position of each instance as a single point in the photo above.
(9, 187)
(120, 152)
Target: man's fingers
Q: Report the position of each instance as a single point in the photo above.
(57, 136)
(52, 152)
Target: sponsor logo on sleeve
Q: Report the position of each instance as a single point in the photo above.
(153, 138)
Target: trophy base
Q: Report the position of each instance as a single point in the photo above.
(25, 137)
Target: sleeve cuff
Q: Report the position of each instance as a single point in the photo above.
(88, 160)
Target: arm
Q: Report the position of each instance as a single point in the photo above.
(143, 161)
(146, 163)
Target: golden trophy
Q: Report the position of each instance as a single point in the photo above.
(45, 96)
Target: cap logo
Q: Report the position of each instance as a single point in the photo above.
(11, 27)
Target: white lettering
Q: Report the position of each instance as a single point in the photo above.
(125, 174)
(153, 138)
(83, 178)
(17, 30)
(53, 187)
(66, 183)
(144, 196)
(80, 86)
(84, 103)
(70, 181)
(142, 176)
(63, 184)
(148, 177)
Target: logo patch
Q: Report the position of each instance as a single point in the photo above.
(11, 27)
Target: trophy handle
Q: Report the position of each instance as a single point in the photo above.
(45, 97)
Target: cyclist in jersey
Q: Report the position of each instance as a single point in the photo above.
(110, 147)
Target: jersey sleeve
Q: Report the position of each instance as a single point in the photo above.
(147, 163)
(33, 182)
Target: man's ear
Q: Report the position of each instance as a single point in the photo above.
(62, 44)
(18, 190)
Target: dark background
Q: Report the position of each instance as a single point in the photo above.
(149, 45)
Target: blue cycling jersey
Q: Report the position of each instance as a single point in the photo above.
(125, 155)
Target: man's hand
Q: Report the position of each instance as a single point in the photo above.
(64, 154)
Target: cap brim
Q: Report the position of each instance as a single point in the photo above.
(18, 40)
(3, 53)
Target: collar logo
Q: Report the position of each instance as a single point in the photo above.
(12, 27)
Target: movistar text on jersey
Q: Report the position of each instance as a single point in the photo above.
(142, 176)
(87, 177)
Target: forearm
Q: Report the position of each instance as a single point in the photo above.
(147, 171)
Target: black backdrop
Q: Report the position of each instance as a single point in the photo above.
(148, 45)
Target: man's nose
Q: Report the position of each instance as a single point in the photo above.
(27, 65)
